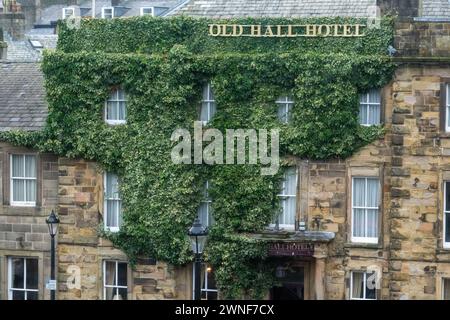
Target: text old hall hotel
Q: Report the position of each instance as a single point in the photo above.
(383, 213)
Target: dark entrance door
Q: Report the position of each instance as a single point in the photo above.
(292, 280)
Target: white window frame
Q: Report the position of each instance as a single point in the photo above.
(372, 240)
(447, 106)
(22, 203)
(288, 103)
(368, 104)
(105, 9)
(65, 10)
(209, 101)
(10, 278)
(147, 14)
(204, 288)
(364, 285)
(208, 201)
(280, 196)
(117, 100)
(446, 245)
(105, 205)
(116, 287)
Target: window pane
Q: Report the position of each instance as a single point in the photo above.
(373, 188)
(30, 190)
(110, 273)
(32, 273)
(204, 112)
(110, 293)
(447, 196)
(374, 114)
(374, 96)
(111, 111)
(122, 274)
(446, 289)
(202, 213)
(112, 213)
(363, 98)
(357, 285)
(18, 190)
(205, 94)
(289, 214)
(17, 270)
(112, 186)
(211, 93)
(121, 94)
(363, 114)
(282, 113)
(122, 111)
(358, 222)
(30, 166)
(212, 110)
(359, 186)
(18, 165)
(211, 295)
(447, 227)
(291, 182)
(32, 295)
(18, 295)
(371, 285)
(372, 223)
(122, 294)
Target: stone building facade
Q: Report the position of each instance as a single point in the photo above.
(407, 258)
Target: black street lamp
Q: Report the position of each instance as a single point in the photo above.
(52, 223)
(197, 234)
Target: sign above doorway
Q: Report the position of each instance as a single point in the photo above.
(290, 249)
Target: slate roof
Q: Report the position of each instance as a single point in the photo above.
(22, 97)
(274, 8)
(435, 9)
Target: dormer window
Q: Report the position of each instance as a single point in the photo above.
(147, 11)
(107, 12)
(68, 12)
(116, 107)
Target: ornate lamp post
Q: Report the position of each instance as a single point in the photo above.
(197, 234)
(52, 223)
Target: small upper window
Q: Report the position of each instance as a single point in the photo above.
(68, 12)
(363, 286)
(107, 12)
(208, 104)
(285, 104)
(446, 236)
(147, 11)
(23, 180)
(116, 107)
(370, 108)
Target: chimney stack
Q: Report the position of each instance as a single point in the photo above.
(402, 8)
(13, 23)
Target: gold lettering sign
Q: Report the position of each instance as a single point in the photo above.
(286, 31)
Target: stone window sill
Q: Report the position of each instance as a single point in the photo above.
(363, 245)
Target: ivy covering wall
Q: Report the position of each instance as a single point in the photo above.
(163, 64)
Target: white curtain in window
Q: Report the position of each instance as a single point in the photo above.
(373, 189)
(288, 197)
(359, 190)
(110, 279)
(357, 285)
(113, 201)
(23, 178)
(208, 106)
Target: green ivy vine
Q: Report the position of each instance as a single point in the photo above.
(162, 64)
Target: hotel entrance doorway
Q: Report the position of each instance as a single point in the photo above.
(291, 281)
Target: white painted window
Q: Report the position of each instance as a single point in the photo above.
(446, 236)
(116, 107)
(68, 12)
(23, 180)
(370, 108)
(447, 107)
(446, 289)
(288, 200)
(208, 108)
(23, 279)
(285, 105)
(147, 11)
(115, 280)
(363, 286)
(113, 202)
(107, 12)
(365, 209)
(208, 286)
(204, 211)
